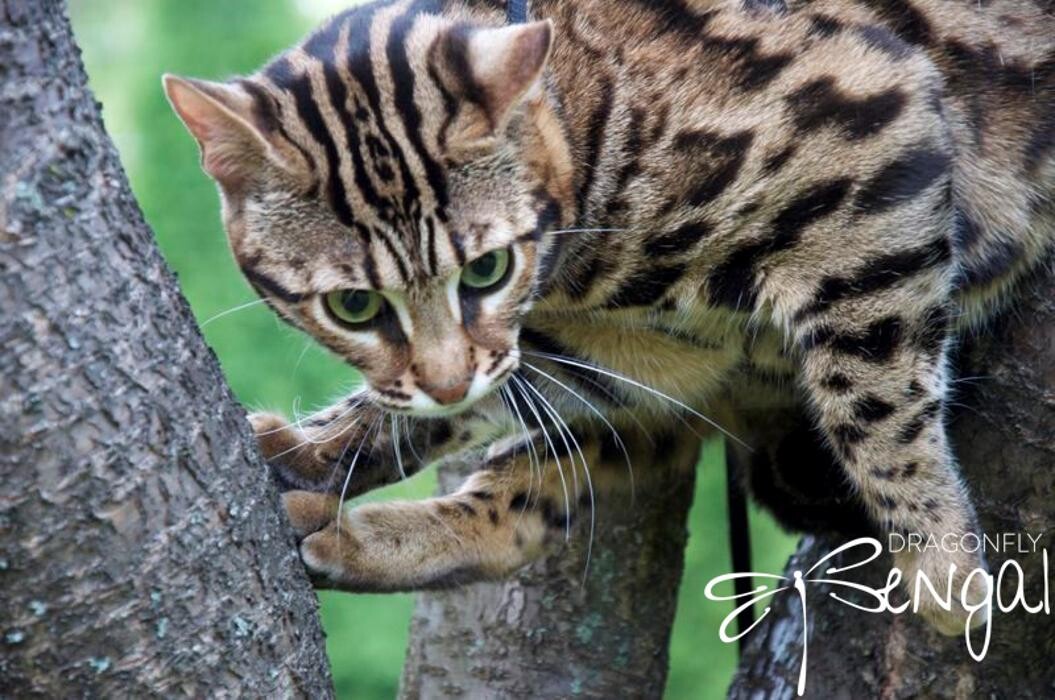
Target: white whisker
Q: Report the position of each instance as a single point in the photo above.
(340, 458)
(321, 437)
(311, 441)
(618, 401)
(228, 312)
(395, 445)
(596, 412)
(298, 421)
(351, 470)
(410, 442)
(534, 466)
(586, 474)
(643, 387)
(969, 380)
(547, 407)
(567, 449)
(550, 446)
(547, 443)
(300, 358)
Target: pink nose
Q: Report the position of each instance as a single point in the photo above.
(449, 393)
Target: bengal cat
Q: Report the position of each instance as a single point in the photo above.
(621, 215)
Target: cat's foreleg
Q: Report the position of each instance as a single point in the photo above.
(353, 446)
(501, 518)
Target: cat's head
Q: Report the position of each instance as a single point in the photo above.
(387, 186)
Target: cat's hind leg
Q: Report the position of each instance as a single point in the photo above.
(877, 382)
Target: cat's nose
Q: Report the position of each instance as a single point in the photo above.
(447, 394)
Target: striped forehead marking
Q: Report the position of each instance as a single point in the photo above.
(352, 88)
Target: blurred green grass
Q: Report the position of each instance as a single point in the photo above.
(127, 46)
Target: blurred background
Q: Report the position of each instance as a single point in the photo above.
(127, 45)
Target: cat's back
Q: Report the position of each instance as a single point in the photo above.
(830, 85)
(997, 63)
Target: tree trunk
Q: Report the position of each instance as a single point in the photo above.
(560, 630)
(1004, 433)
(143, 548)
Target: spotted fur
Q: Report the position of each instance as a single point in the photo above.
(777, 215)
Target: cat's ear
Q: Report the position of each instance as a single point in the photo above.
(491, 72)
(227, 125)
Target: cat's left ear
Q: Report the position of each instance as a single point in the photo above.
(491, 72)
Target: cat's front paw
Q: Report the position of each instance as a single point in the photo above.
(314, 517)
(310, 512)
(327, 555)
(372, 548)
(291, 460)
(271, 431)
(966, 607)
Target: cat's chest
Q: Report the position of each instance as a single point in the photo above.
(688, 355)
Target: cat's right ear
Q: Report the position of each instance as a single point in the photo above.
(490, 72)
(234, 145)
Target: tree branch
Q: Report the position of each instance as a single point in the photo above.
(556, 630)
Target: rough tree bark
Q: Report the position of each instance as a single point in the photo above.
(1004, 432)
(551, 632)
(143, 550)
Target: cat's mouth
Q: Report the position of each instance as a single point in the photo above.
(420, 405)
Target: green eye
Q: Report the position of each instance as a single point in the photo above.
(354, 306)
(487, 270)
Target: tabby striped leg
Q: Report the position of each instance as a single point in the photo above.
(501, 519)
(878, 387)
